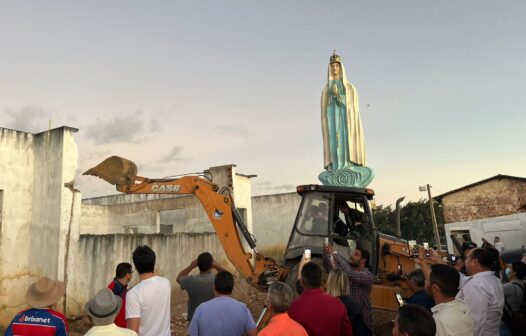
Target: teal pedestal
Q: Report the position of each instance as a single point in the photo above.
(354, 176)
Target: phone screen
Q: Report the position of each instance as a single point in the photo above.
(307, 253)
(426, 250)
(399, 299)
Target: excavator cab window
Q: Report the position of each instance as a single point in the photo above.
(312, 224)
(351, 220)
(342, 219)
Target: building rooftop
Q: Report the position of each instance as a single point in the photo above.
(496, 177)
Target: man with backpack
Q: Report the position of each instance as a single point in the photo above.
(515, 298)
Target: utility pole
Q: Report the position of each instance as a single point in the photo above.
(398, 209)
(433, 218)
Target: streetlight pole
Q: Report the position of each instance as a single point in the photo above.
(433, 217)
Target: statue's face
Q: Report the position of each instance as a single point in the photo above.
(336, 70)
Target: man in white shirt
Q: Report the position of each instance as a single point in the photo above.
(499, 245)
(148, 303)
(452, 316)
(483, 292)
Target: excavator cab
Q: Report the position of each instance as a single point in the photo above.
(340, 216)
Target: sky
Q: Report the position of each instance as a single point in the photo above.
(178, 87)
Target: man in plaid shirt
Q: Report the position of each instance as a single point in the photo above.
(360, 278)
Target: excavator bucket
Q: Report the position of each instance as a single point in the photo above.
(115, 170)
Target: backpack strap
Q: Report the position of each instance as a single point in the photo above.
(523, 293)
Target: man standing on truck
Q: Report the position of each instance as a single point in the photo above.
(360, 278)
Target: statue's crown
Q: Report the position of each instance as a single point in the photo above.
(335, 58)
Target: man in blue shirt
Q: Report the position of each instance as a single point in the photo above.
(41, 319)
(223, 315)
(417, 282)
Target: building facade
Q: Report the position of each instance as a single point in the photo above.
(496, 196)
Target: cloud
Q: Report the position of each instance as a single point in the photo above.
(29, 118)
(94, 155)
(234, 129)
(147, 168)
(173, 155)
(123, 128)
(154, 125)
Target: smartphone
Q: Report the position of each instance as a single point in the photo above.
(399, 299)
(426, 248)
(414, 252)
(452, 258)
(307, 253)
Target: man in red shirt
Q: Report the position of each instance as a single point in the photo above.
(119, 287)
(319, 313)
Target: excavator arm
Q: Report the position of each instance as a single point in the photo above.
(219, 208)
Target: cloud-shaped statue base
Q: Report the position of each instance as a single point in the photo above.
(354, 176)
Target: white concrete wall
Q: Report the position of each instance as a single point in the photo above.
(36, 210)
(93, 259)
(273, 218)
(243, 197)
(44, 227)
(16, 181)
(511, 229)
(106, 219)
(110, 214)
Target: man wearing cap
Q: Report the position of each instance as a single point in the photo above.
(102, 310)
(40, 319)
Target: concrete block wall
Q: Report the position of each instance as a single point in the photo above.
(45, 230)
(111, 214)
(274, 217)
(106, 219)
(93, 259)
(16, 183)
(498, 197)
(36, 210)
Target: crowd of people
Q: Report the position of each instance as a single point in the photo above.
(469, 297)
(474, 295)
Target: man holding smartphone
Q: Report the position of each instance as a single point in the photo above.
(357, 271)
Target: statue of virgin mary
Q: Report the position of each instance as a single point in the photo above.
(343, 138)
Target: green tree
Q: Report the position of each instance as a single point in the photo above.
(415, 221)
(384, 219)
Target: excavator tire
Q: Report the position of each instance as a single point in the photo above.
(115, 170)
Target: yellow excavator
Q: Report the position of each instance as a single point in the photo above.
(337, 215)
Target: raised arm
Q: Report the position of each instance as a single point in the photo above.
(185, 272)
